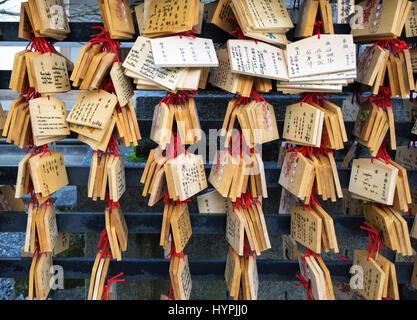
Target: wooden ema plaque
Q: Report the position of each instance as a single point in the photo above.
(122, 85)
(183, 15)
(303, 124)
(181, 227)
(313, 56)
(140, 61)
(51, 73)
(233, 273)
(93, 109)
(180, 52)
(373, 276)
(257, 59)
(48, 173)
(384, 19)
(306, 228)
(296, 171)
(235, 230)
(213, 203)
(375, 181)
(222, 172)
(187, 174)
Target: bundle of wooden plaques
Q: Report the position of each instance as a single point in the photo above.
(372, 125)
(44, 172)
(223, 78)
(183, 16)
(92, 66)
(185, 176)
(47, 73)
(312, 12)
(179, 272)
(182, 176)
(385, 19)
(159, 64)
(99, 271)
(241, 276)
(247, 222)
(40, 276)
(17, 127)
(107, 175)
(94, 118)
(313, 228)
(263, 20)
(380, 181)
(117, 18)
(257, 59)
(176, 227)
(117, 231)
(139, 65)
(232, 176)
(186, 117)
(324, 64)
(142, 11)
(48, 120)
(392, 227)
(256, 119)
(153, 177)
(41, 229)
(43, 18)
(314, 125)
(379, 276)
(314, 270)
(376, 62)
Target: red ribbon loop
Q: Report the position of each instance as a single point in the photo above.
(109, 282)
(305, 284)
(374, 240)
(395, 45)
(382, 99)
(109, 44)
(317, 26)
(313, 97)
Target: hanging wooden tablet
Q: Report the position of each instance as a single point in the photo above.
(48, 120)
(375, 181)
(235, 230)
(296, 171)
(181, 227)
(273, 63)
(306, 228)
(48, 173)
(305, 57)
(116, 178)
(117, 18)
(93, 109)
(188, 175)
(303, 124)
(140, 63)
(213, 203)
(385, 20)
(221, 16)
(222, 171)
(233, 273)
(307, 18)
(51, 73)
(180, 52)
(184, 15)
(373, 276)
(123, 86)
(43, 276)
